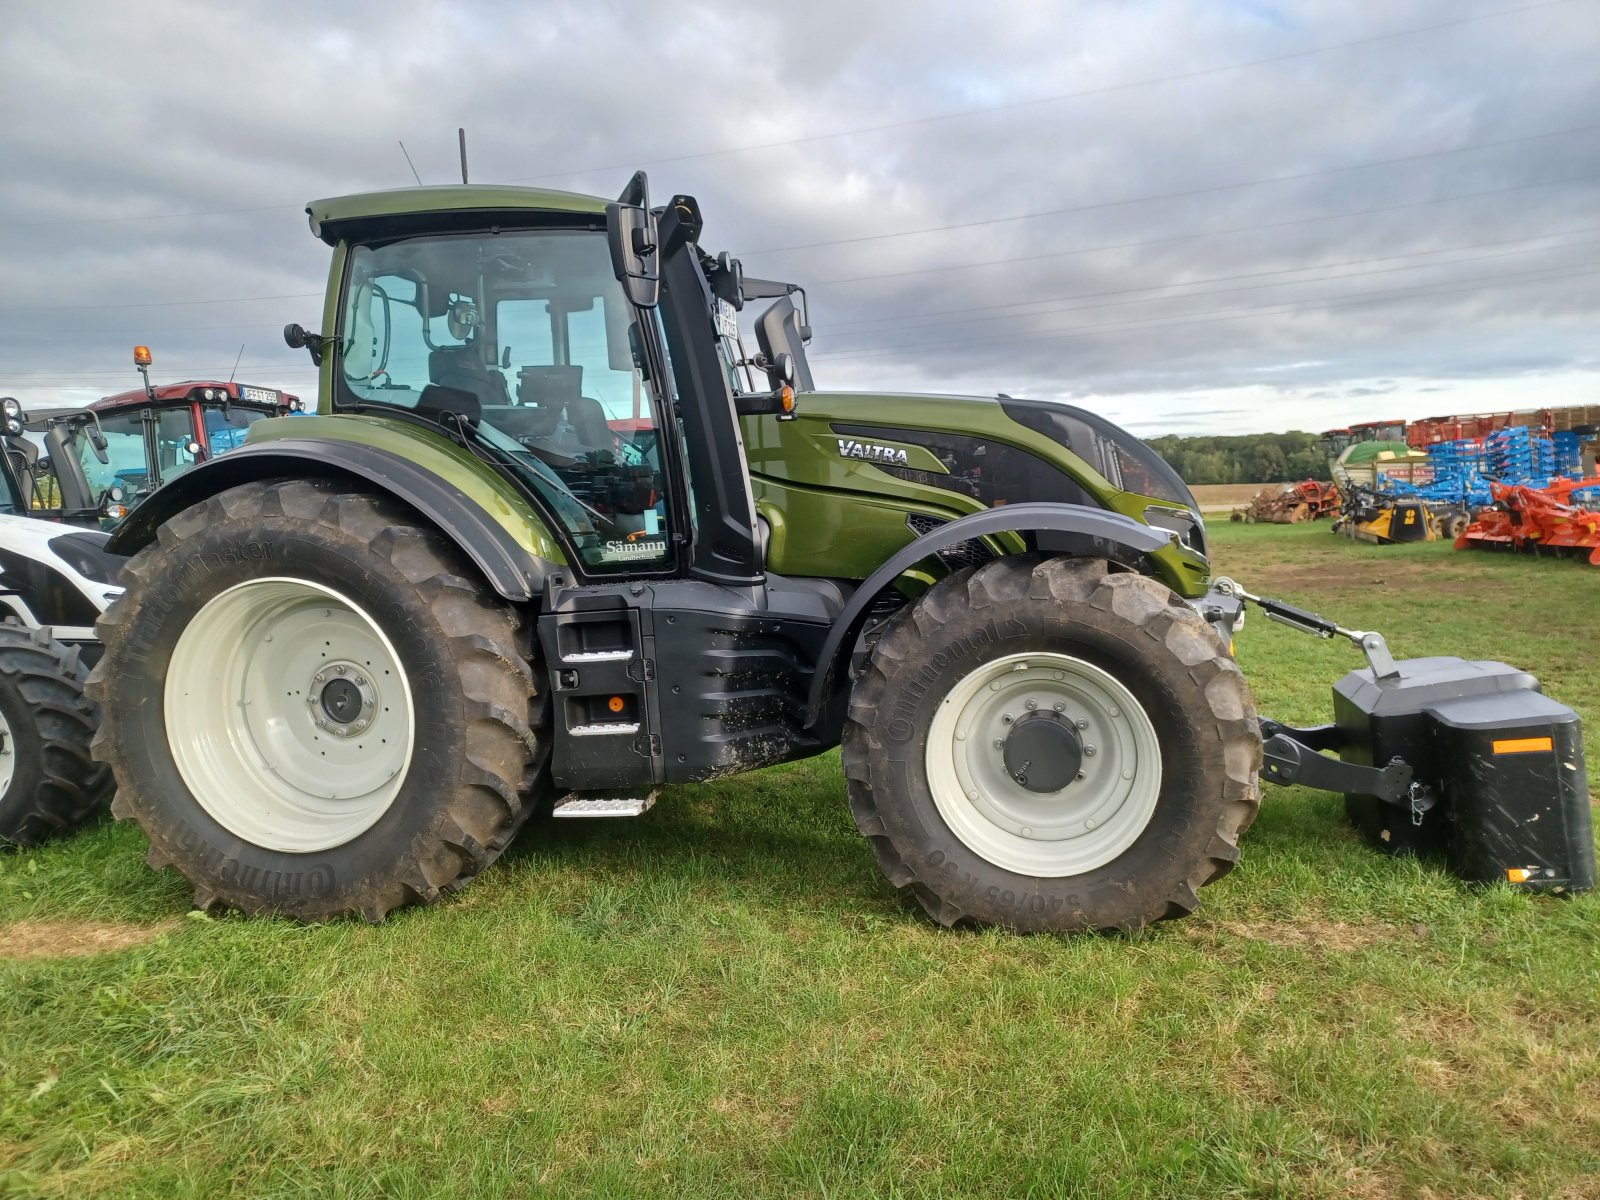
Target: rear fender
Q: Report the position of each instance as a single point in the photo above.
(511, 568)
(1136, 542)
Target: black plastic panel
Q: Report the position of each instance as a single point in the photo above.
(1124, 460)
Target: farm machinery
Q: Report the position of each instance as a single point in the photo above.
(125, 446)
(1308, 500)
(1386, 519)
(1537, 520)
(555, 539)
(56, 578)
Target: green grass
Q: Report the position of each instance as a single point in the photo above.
(723, 998)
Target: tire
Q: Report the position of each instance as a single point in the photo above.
(49, 783)
(1023, 623)
(404, 754)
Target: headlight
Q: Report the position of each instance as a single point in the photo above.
(10, 407)
(85, 553)
(1184, 522)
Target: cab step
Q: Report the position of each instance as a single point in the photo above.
(578, 804)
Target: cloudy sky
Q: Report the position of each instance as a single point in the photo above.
(1191, 215)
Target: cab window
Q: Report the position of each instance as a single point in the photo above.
(126, 464)
(532, 332)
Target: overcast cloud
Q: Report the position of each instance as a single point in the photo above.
(1431, 243)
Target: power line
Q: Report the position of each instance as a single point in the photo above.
(196, 372)
(885, 126)
(158, 303)
(1244, 288)
(1036, 257)
(1200, 191)
(1187, 237)
(1081, 332)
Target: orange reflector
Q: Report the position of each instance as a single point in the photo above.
(1517, 874)
(615, 704)
(141, 356)
(1523, 745)
(786, 398)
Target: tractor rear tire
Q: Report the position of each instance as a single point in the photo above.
(49, 783)
(1061, 654)
(381, 751)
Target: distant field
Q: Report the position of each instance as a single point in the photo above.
(1222, 497)
(724, 998)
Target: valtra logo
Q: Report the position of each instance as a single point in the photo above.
(849, 448)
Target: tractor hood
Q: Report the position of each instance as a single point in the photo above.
(920, 458)
(993, 450)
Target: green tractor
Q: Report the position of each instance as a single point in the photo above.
(546, 547)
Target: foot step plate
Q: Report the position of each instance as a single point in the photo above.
(576, 805)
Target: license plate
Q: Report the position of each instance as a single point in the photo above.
(259, 395)
(727, 320)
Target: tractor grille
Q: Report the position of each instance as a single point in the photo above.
(970, 553)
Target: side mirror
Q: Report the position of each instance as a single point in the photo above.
(296, 338)
(97, 443)
(635, 243)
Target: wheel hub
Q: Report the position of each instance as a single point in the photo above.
(1042, 752)
(342, 699)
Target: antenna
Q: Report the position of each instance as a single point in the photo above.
(461, 134)
(236, 359)
(410, 164)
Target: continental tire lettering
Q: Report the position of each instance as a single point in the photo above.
(902, 726)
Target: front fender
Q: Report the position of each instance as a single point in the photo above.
(1136, 540)
(514, 566)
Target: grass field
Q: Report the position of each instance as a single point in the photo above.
(724, 999)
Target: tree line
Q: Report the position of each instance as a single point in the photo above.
(1243, 458)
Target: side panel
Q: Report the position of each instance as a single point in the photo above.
(842, 535)
(679, 680)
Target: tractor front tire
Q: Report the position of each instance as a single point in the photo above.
(49, 784)
(1051, 744)
(314, 706)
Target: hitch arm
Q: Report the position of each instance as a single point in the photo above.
(1371, 644)
(1287, 761)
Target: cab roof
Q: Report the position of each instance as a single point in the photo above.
(341, 216)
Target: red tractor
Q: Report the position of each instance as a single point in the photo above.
(151, 434)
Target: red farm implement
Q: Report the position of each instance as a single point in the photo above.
(1307, 500)
(1543, 520)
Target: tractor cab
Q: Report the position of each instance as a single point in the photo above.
(45, 449)
(156, 432)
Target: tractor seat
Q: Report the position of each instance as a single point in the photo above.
(558, 389)
(463, 368)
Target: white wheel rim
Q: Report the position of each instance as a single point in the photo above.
(1088, 822)
(289, 715)
(8, 755)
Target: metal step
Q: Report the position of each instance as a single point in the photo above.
(578, 805)
(593, 656)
